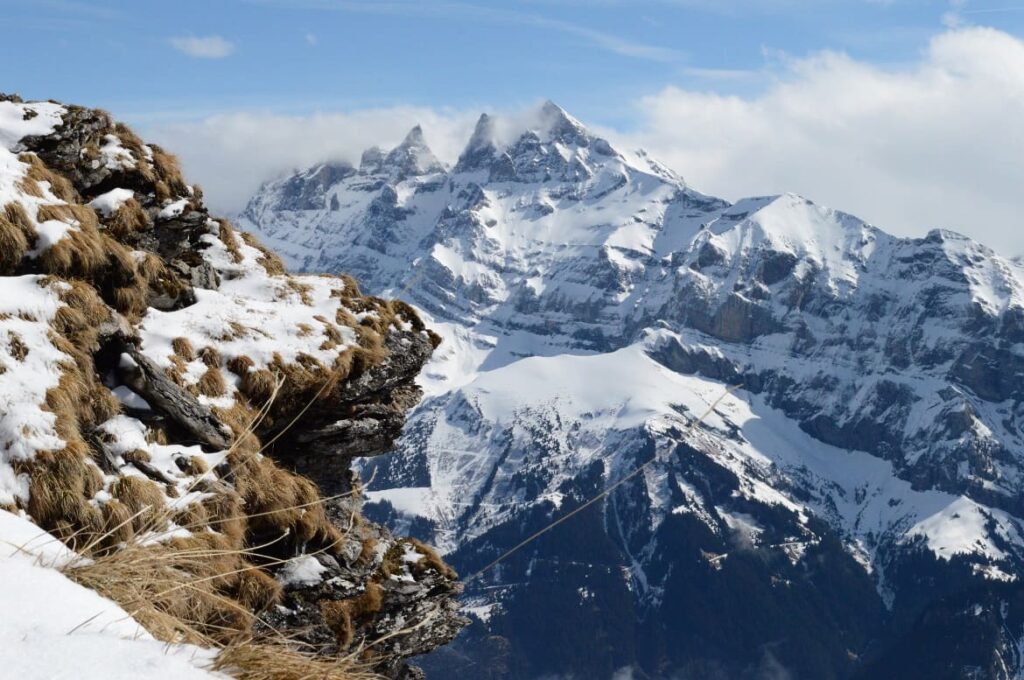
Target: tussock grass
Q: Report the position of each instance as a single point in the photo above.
(14, 241)
(203, 591)
(38, 172)
(260, 660)
(212, 383)
(211, 357)
(170, 588)
(230, 240)
(128, 220)
(183, 348)
(168, 172)
(269, 260)
(343, 616)
(143, 498)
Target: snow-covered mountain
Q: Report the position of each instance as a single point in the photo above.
(855, 500)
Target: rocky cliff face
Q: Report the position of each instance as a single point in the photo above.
(857, 496)
(166, 382)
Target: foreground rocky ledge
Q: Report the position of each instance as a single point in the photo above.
(176, 387)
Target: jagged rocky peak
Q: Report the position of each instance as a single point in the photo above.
(412, 157)
(482, 146)
(372, 160)
(557, 125)
(308, 190)
(537, 149)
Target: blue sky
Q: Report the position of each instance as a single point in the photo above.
(907, 113)
(305, 55)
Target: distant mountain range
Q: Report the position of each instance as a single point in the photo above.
(853, 509)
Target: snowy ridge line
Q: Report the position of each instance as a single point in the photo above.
(604, 494)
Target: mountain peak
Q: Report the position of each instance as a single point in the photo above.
(372, 159)
(413, 156)
(558, 125)
(414, 137)
(481, 146)
(483, 133)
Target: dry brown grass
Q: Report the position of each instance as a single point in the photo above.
(117, 526)
(14, 244)
(16, 347)
(196, 466)
(281, 503)
(240, 365)
(136, 456)
(172, 589)
(159, 276)
(212, 384)
(344, 616)
(128, 220)
(132, 301)
(80, 316)
(60, 484)
(430, 560)
(168, 170)
(38, 172)
(258, 591)
(211, 357)
(143, 498)
(15, 213)
(63, 482)
(182, 347)
(270, 262)
(303, 290)
(259, 385)
(277, 660)
(80, 253)
(230, 240)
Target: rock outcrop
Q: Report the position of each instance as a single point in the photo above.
(171, 384)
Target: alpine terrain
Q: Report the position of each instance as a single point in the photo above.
(850, 509)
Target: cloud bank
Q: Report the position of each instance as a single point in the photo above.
(935, 143)
(938, 143)
(230, 155)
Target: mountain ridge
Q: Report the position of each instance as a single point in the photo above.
(585, 297)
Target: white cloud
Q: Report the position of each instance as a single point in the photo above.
(312, 40)
(937, 143)
(230, 155)
(208, 47)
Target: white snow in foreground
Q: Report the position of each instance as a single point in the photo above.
(13, 172)
(108, 203)
(14, 125)
(174, 209)
(30, 365)
(304, 570)
(253, 314)
(52, 628)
